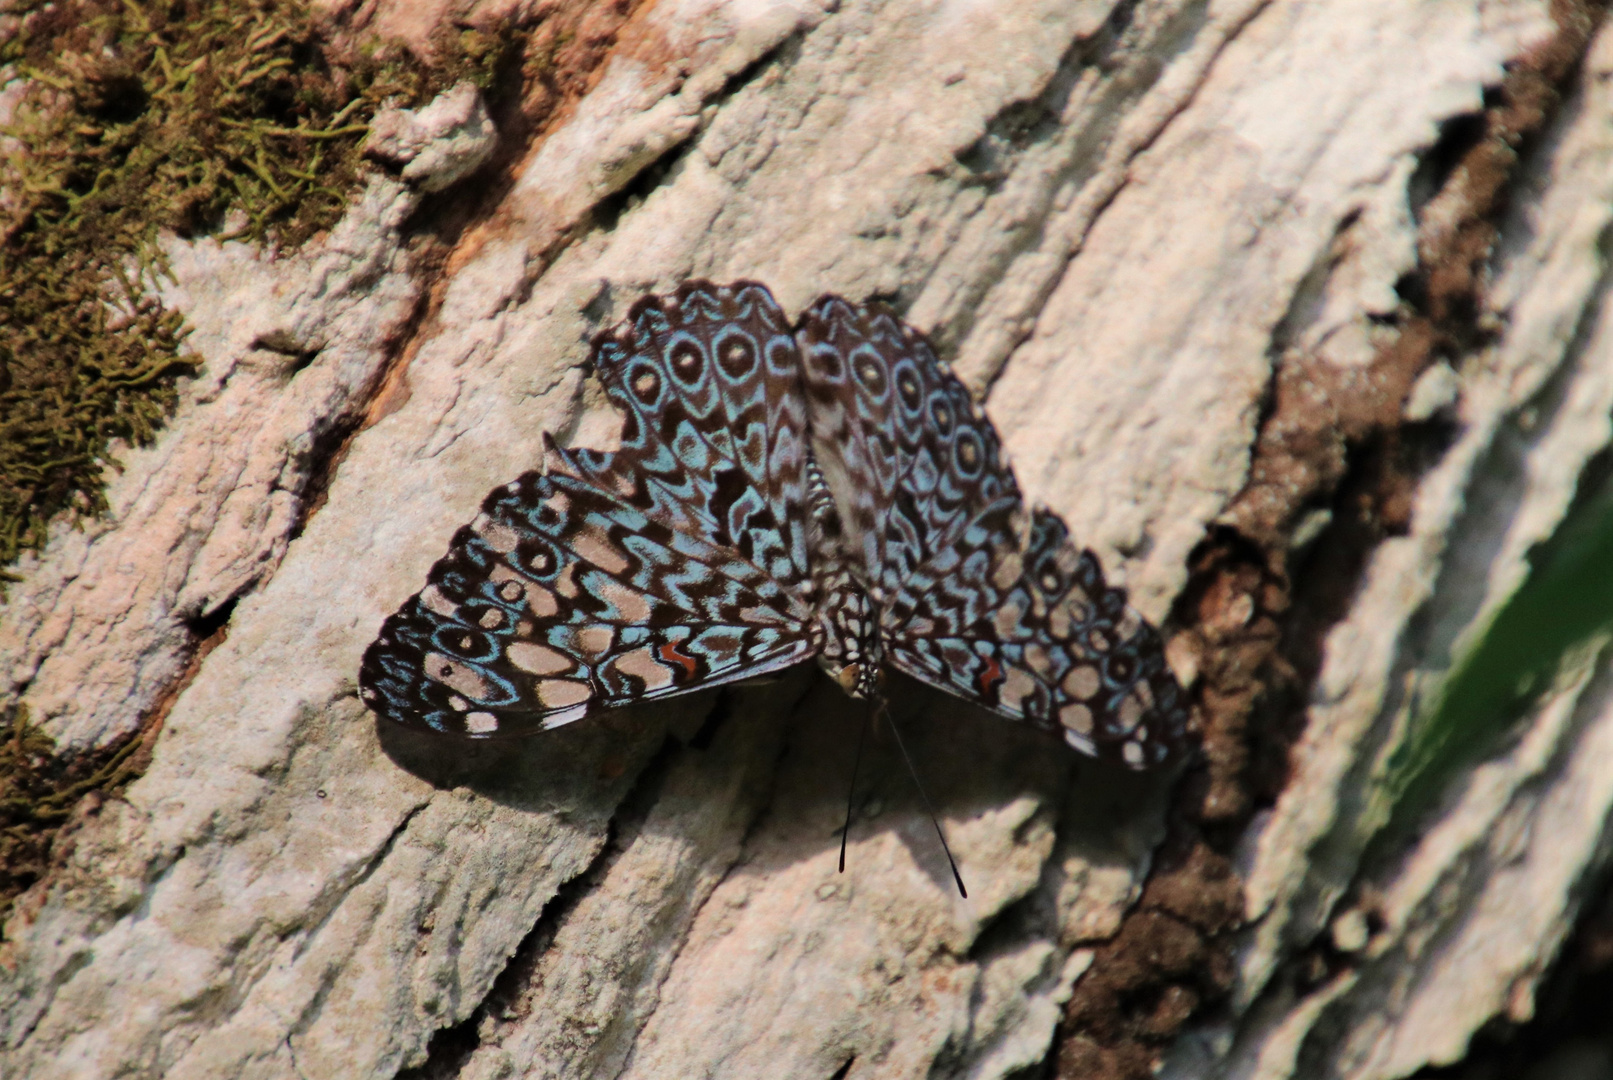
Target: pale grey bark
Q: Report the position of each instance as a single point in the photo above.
(1105, 212)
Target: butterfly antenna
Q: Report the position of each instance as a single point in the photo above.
(914, 773)
(868, 722)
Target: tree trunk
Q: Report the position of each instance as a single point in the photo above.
(1293, 311)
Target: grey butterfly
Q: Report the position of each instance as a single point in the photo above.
(825, 490)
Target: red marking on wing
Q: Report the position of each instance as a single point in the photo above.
(669, 652)
(991, 676)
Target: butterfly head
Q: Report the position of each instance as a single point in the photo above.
(848, 629)
(862, 681)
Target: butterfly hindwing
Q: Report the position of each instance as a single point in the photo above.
(1028, 628)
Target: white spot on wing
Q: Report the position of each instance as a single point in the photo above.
(595, 640)
(596, 547)
(642, 664)
(1077, 719)
(455, 676)
(630, 603)
(1017, 686)
(1082, 681)
(432, 599)
(500, 537)
(541, 600)
(558, 693)
(538, 659)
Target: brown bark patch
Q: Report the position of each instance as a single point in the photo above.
(1334, 447)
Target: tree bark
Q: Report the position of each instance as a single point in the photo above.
(1293, 311)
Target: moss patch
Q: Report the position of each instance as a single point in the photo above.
(243, 120)
(38, 793)
(136, 117)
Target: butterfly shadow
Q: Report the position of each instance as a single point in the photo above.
(710, 746)
(755, 778)
(991, 781)
(582, 765)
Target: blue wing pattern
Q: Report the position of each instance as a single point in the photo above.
(675, 562)
(976, 596)
(780, 493)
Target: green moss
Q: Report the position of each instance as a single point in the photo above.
(39, 791)
(139, 117)
(142, 116)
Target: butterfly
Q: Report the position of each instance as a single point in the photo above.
(825, 490)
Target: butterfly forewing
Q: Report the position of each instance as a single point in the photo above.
(670, 564)
(709, 380)
(900, 441)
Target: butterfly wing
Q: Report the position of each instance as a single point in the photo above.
(901, 445)
(715, 434)
(1014, 617)
(978, 597)
(660, 568)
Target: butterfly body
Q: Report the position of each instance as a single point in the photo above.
(827, 491)
(849, 647)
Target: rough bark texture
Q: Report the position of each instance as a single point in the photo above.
(1294, 311)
